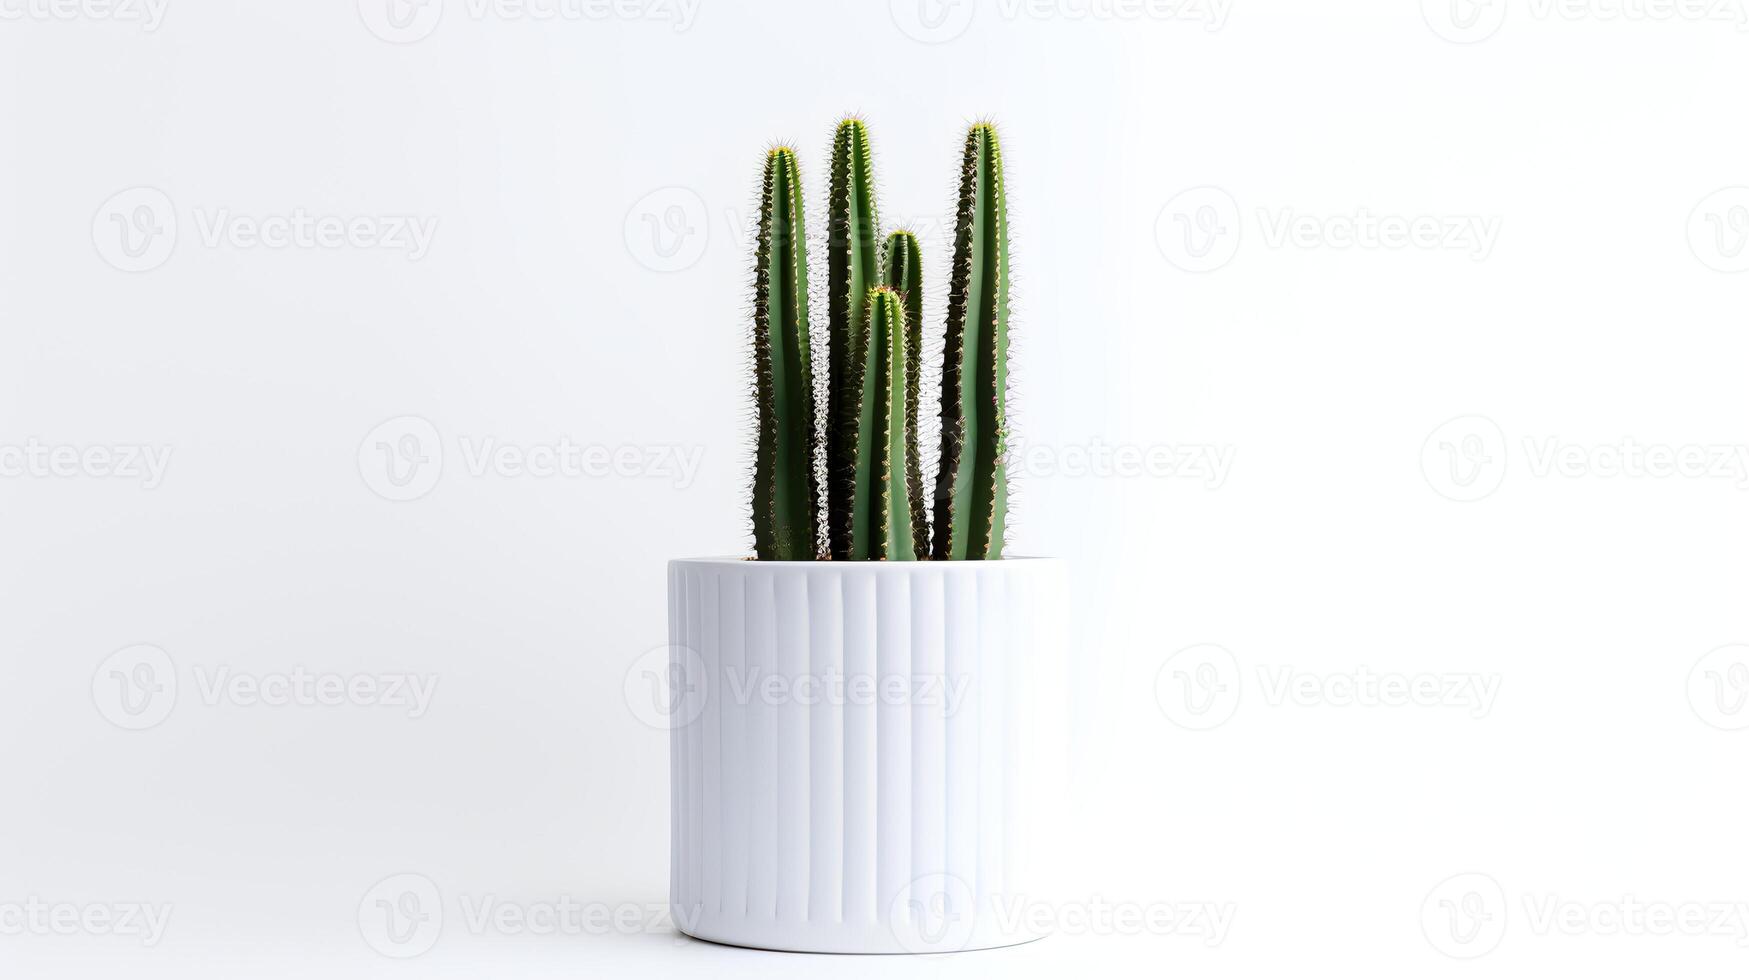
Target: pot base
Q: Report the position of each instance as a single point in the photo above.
(840, 939)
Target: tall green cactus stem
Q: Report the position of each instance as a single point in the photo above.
(785, 491)
(902, 269)
(971, 489)
(886, 491)
(853, 267)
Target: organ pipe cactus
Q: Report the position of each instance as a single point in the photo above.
(902, 269)
(786, 497)
(886, 504)
(874, 501)
(971, 488)
(852, 268)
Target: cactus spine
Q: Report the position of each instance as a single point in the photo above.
(885, 489)
(971, 489)
(853, 268)
(785, 492)
(902, 269)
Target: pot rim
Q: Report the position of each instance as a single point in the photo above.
(891, 567)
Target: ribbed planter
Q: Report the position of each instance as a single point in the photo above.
(853, 758)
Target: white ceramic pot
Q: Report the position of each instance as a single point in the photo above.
(855, 763)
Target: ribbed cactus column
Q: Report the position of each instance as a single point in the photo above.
(853, 267)
(971, 490)
(886, 499)
(785, 492)
(902, 269)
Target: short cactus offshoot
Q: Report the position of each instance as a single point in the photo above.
(875, 502)
(902, 270)
(886, 510)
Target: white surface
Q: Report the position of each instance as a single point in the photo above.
(548, 150)
(864, 755)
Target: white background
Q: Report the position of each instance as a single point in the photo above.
(1192, 190)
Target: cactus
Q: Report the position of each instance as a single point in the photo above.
(902, 269)
(874, 499)
(887, 488)
(785, 492)
(852, 267)
(971, 488)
